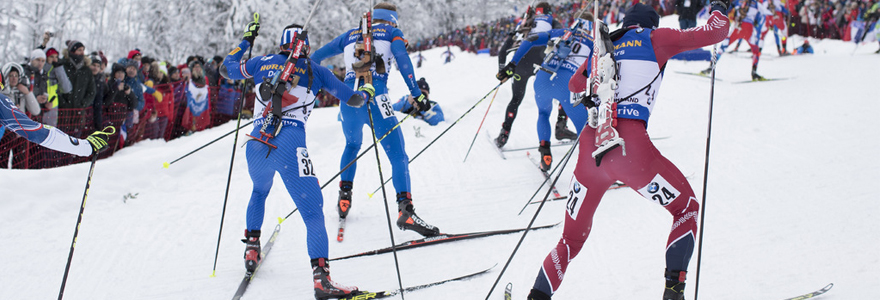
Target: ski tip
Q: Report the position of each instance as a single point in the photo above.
(165, 165)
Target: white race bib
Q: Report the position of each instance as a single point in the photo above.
(659, 191)
(385, 106)
(306, 168)
(576, 195)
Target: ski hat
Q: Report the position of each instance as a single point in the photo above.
(423, 85)
(287, 36)
(72, 45)
(131, 63)
(543, 8)
(51, 51)
(37, 53)
(385, 14)
(133, 53)
(641, 15)
(117, 67)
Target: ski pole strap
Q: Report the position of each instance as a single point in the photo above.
(647, 85)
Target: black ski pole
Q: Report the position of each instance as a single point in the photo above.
(231, 163)
(385, 196)
(532, 222)
(82, 208)
(481, 126)
(442, 133)
(705, 176)
(168, 164)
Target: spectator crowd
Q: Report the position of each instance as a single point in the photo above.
(147, 98)
(143, 97)
(833, 19)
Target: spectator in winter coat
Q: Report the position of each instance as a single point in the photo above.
(17, 89)
(135, 55)
(71, 113)
(100, 89)
(34, 72)
(212, 70)
(173, 74)
(57, 85)
(687, 12)
(118, 91)
(137, 86)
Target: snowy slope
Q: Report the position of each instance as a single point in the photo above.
(789, 203)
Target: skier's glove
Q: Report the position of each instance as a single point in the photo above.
(506, 72)
(367, 92)
(419, 104)
(721, 5)
(98, 139)
(251, 32)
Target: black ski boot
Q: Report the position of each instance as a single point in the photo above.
(252, 254)
(546, 156)
(707, 71)
(563, 133)
(755, 76)
(325, 288)
(501, 140)
(674, 285)
(538, 295)
(408, 220)
(344, 203)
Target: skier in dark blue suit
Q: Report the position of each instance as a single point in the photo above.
(389, 46)
(286, 152)
(13, 119)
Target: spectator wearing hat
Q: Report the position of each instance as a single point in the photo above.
(173, 74)
(76, 64)
(33, 70)
(212, 71)
(15, 86)
(71, 113)
(100, 89)
(57, 85)
(135, 55)
(197, 116)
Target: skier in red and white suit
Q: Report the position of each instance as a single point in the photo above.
(641, 52)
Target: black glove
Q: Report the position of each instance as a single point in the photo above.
(251, 32)
(419, 105)
(506, 72)
(721, 5)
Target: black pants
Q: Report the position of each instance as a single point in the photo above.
(524, 70)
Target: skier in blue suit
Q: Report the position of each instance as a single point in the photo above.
(432, 116)
(551, 82)
(389, 47)
(284, 151)
(15, 120)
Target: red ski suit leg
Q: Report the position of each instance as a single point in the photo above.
(646, 171)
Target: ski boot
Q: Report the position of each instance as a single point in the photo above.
(252, 254)
(755, 76)
(546, 156)
(344, 203)
(707, 71)
(563, 133)
(408, 220)
(674, 285)
(325, 288)
(536, 294)
(501, 140)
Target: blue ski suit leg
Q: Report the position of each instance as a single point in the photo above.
(353, 121)
(298, 178)
(546, 91)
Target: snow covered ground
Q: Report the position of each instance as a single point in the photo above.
(789, 205)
